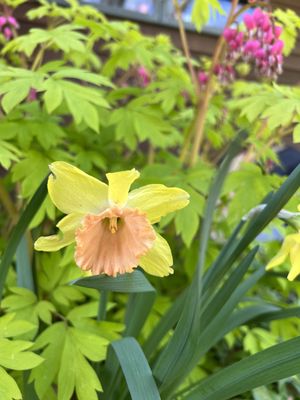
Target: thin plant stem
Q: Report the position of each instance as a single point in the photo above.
(185, 46)
(39, 58)
(102, 305)
(151, 154)
(204, 102)
(7, 203)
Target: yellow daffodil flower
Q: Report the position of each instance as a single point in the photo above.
(290, 246)
(112, 227)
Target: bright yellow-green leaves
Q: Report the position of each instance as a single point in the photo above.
(78, 194)
(291, 247)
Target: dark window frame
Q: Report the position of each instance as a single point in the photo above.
(159, 18)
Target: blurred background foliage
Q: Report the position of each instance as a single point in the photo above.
(74, 90)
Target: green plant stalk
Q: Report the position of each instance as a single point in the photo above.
(7, 203)
(204, 102)
(19, 231)
(185, 46)
(175, 356)
(103, 300)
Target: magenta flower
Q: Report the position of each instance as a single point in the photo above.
(277, 47)
(249, 22)
(144, 76)
(230, 34)
(2, 21)
(202, 78)
(7, 32)
(251, 46)
(13, 22)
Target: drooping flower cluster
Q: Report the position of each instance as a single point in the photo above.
(256, 41)
(7, 26)
(260, 44)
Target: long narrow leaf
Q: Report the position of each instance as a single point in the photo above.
(24, 266)
(259, 222)
(171, 317)
(136, 370)
(177, 357)
(277, 362)
(19, 230)
(134, 282)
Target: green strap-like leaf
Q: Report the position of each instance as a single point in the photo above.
(136, 370)
(277, 362)
(177, 358)
(23, 266)
(19, 231)
(134, 282)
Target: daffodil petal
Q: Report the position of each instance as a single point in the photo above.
(72, 190)
(158, 200)
(282, 254)
(295, 261)
(66, 236)
(119, 185)
(158, 260)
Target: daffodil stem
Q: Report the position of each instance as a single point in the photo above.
(102, 305)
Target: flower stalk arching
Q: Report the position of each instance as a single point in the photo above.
(204, 102)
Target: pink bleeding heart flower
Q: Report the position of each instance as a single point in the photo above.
(202, 78)
(251, 46)
(261, 19)
(260, 54)
(277, 47)
(240, 38)
(277, 31)
(230, 34)
(144, 76)
(7, 33)
(2, 21)
(12, 21)
(269, 36)
(249, 21)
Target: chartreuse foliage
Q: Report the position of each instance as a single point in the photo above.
(72, 91)
(16, 354)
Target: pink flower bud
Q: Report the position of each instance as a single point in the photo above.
(144, 76)
(261, 19)
(257, 15)
(277, 47)
(7, 33)
(12, 21)
(2, 21)
(269, 36)
(229, 34)
(249, 22)
(277, 31)
(32, 96)
(251, 46)
(279, 58)
(218, 69)
(240, 38)
(202, 78)
(260, 54)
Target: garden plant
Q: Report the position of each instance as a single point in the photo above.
(148, 249)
